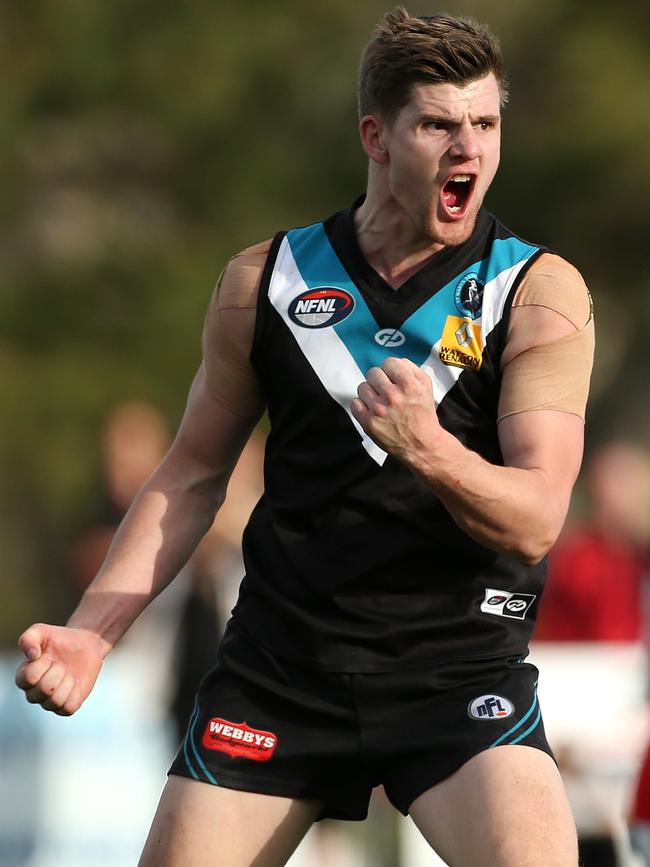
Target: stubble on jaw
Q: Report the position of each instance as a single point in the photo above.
(455, 234)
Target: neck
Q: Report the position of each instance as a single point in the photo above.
(389, 239)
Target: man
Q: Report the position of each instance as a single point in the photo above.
(425, 375)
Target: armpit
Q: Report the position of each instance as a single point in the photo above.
(553, 375)
(228, 333)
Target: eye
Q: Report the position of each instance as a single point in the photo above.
(437, 125)
(485, 125)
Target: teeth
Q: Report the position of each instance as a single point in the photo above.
(460, 178)
(454, 209)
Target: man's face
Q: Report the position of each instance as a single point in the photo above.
(443, 152)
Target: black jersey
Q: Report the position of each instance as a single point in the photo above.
(352, 562)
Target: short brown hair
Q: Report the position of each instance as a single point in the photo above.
(432, 49)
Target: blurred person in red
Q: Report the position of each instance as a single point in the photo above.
(594, 589)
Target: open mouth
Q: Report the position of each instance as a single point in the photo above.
(456, 194)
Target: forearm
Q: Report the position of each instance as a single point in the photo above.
(507, 509)
(156, 538)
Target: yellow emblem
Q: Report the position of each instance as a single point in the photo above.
(461, 343)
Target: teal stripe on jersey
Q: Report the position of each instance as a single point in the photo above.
(319, 266)
(189, 764)
(518, 725)
(430, 318)
(529, 729)
(195, 750)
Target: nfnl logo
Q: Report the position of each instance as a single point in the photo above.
(239, 739)
(505, 604)
(318, 308)
(487, 707)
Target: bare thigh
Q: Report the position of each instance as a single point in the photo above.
(200, 825)
(505, 807)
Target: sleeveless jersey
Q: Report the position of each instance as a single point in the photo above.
(352, 562)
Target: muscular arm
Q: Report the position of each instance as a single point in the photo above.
(168, 518)
(171, 512)
(517, 508)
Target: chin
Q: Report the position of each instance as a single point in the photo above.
(452, 234)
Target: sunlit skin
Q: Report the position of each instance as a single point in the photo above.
(446, 130)
(443, 130)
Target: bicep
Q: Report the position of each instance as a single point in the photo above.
(210, 437)
(229, 331)
(549, 351)
(225, 401)
(548, 443)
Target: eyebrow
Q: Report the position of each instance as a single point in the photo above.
(483, 118)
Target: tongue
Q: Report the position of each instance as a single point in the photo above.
(451, 197)
(453, 194)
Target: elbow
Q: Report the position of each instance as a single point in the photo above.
(532, 556)
(531, 549)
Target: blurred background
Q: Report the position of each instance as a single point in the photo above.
(145, 143)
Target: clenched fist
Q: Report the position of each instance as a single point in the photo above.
(61, 666)
(395, 406)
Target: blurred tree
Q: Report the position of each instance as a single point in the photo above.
(143, 144)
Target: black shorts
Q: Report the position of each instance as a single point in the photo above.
(265, 724)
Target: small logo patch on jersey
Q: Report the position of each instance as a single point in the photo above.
(389, 337)
(460, 345)
(505, 604)
(321, 307)
(239, 740)
(469, 296)
(490, 707)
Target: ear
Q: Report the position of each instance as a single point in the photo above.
(372, 131)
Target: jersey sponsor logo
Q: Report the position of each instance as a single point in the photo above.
(468, 296)
(490, 707)
(460, 345)
(505, 604)
(389, 337)
(321, 307)
(239, 740)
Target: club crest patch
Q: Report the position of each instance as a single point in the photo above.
(460, 345)
(469, 296)
(239, 740)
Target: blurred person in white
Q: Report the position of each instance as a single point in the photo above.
(595, 593)
(425, 372)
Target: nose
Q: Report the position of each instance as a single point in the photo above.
(466, 144)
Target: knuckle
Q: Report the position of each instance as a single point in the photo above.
(393, 396)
